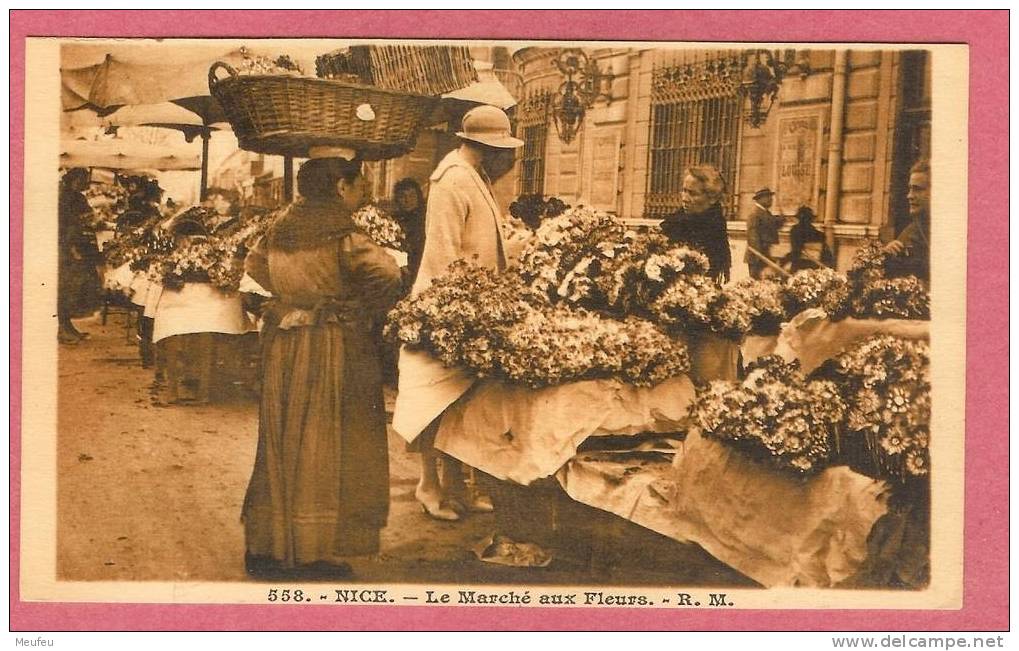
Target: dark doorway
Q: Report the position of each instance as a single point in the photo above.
(913, 129)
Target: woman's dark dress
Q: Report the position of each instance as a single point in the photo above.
(413, 222)
(706, 232)
(800, 235)
(320, 486)
(78, 286)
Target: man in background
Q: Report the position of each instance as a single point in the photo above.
(762, 231)
(912, 248)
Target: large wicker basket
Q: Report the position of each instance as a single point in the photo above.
(287, 115)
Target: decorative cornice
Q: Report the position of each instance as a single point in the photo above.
(534, 53)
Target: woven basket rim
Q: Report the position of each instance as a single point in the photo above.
(297, 143)
(324, 82)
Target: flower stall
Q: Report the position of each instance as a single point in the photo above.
(848, 445)
(550, 375)
(587, 336)
(828, 310)
(580, 364)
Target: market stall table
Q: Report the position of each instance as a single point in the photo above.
(777, 530)
(521, 434)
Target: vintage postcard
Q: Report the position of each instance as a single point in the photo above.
(659, 326)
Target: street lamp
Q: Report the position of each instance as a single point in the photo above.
(583, 85)
(762, 77)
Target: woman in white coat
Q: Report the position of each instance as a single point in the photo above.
(462, 222)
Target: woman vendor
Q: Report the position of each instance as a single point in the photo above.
(319, 491)
(700, 223)
(78, 280)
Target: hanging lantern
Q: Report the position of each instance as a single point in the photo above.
(583, 85)
(762, 77)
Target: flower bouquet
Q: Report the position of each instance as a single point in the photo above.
(688, 305)
(640, 268)
(558, 345)
(191, 261)
(589, 259)
(750, 307)
(885, 380)
(776, 416)
(532, 209)
(458, 318)
(556, 262)
(496, 326)
(829, 311)
(826, 289)
(381, 227)
(217, 259)
(877, 296)
(868, 264)
(892, 298)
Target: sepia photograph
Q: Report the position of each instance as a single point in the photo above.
(483, 322)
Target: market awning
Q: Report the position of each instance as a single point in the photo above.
(127, 155)
(165, 114)
(487, 90)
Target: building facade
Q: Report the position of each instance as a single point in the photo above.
(840, 137)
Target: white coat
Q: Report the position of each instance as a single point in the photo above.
(462, 221)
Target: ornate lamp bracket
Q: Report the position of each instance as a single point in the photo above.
(584, 84)
(763, 73)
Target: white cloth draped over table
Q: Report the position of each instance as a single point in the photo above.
(547, 424)
(638, 491)
(198, 307)
(427, 388)
(778, 530)
(520, 434)
(813, 338)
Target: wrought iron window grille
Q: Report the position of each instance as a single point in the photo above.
(696, 118)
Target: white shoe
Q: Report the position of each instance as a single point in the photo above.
(433, 507)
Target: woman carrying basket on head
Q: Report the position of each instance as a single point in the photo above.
(319, 491)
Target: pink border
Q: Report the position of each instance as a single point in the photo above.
(986, 526)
